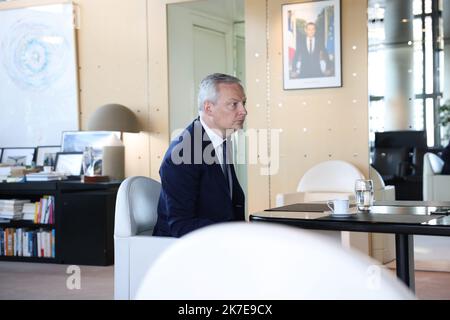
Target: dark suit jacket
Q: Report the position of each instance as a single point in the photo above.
(310, 62)
(194, 193)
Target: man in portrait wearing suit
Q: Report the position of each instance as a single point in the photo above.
(310, 56)
(199, 183)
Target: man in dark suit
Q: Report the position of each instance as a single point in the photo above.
(199, 183)
(310, 56)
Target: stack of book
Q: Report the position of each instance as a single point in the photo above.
(8, 172)
(45, 176)
(29, 210)
(12, 208)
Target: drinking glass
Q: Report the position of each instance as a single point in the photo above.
(364, 194)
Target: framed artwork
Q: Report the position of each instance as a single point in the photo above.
(77, 141)
(38, 53)
(18, 156)
(312, 45)
(46, 155)
(69, 163)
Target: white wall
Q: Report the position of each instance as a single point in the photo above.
(199, 44)
(316, 124)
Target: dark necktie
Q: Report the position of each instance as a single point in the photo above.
(310, 46)
(225, 164)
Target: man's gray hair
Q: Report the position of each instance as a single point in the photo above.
(209, 87)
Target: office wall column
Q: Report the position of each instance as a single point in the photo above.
(399, 63)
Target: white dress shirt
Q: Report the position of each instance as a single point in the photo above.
(217, 142)
(311, 41)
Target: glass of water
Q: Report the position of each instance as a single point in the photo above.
(364, 194)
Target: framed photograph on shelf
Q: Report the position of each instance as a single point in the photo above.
(69, 163)
(77, 141)
(46, 155)
(312, 44)
(18, 156)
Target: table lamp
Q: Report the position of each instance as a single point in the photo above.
(113, 117)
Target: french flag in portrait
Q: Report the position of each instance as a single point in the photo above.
(330, 34)
(291, 43)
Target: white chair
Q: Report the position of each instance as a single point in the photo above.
(436, 186)
(135, 249)
(333, 179)
(246, 261)
(336, 179)
(383, 245)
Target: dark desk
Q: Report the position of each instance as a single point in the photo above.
(402, 218)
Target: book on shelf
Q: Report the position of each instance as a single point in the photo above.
(28, 211)
(45, 209)
(12, 171)
(45, 176)
(23, 242)
(15, 179)
(28, 207)
(40, 212)
(13, 202)
(12, 208)
(11, 215)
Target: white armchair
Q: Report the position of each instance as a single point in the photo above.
(135, 249)
(335, 179)
(383, 244)
(327, 180)
(436, 186)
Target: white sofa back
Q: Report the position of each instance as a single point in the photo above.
(435, 185)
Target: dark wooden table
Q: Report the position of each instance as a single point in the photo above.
(402, 218)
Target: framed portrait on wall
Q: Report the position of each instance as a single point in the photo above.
(311, 45)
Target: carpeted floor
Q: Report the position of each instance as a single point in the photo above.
(31, 281)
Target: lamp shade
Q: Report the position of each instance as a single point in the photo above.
(113, 117)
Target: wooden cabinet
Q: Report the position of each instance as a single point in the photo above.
(84, 219)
